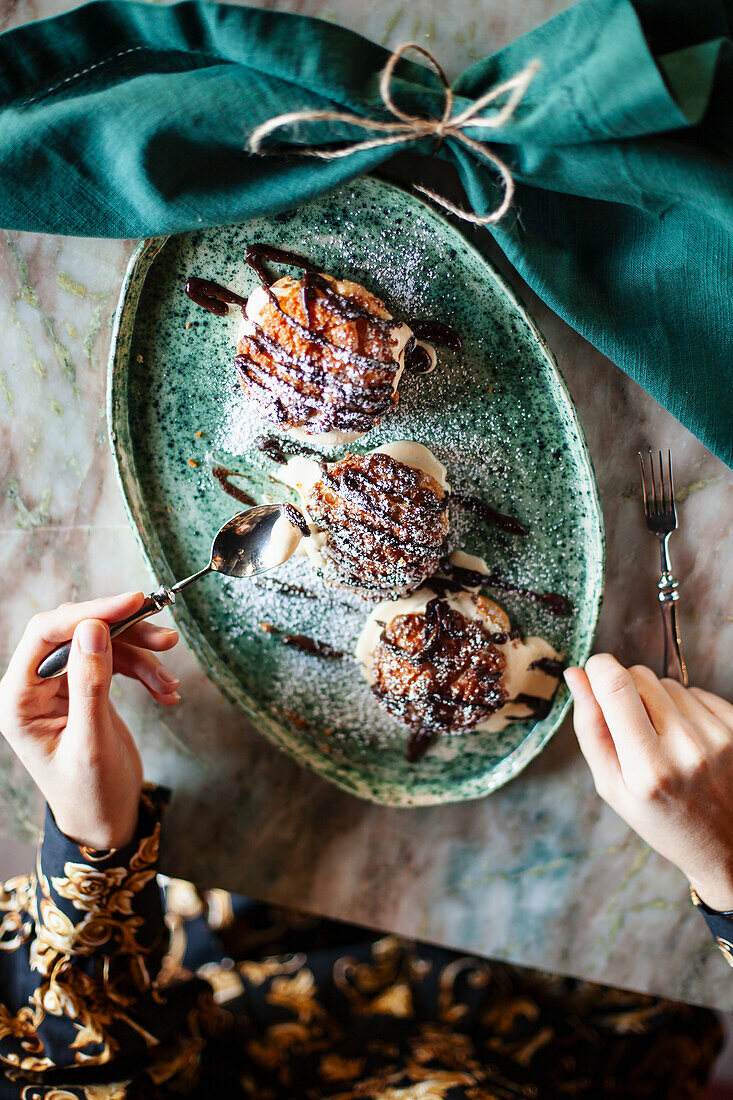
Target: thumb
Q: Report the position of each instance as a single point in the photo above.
(89, 676)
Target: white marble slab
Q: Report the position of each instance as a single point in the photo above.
(541, 872)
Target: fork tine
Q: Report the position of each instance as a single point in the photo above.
(643, 481)
(655, 510)
(672, 505)
(661, 486)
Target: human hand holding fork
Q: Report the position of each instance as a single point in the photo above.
(661, 754)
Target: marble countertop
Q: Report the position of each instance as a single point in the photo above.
(541, 873)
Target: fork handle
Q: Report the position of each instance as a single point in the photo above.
(674, 664)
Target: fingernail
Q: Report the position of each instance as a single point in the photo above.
(568, 675)
(166, 677)
(92, 637)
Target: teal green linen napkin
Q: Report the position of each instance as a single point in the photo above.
(128, 120)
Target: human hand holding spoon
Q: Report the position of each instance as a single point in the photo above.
(249, 543)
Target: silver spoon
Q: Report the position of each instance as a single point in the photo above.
(249, 543)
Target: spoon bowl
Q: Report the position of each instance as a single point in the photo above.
(257, 540)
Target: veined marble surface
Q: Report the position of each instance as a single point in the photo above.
(541, 873)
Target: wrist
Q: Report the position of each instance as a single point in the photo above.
(100, 837)
(714, 891)
(99, 832)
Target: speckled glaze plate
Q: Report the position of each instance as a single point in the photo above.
(497, 414)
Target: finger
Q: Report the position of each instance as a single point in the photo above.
(664, 714)
(593, 734)
(52, 628)
(149, 636)
(89, 675)
(717, 706)
(625, 714)
(702, 726)
(141, 665)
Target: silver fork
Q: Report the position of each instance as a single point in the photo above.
(661, 519)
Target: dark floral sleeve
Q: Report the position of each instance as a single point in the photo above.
(103, 997)
(81, 947)
(720, 924)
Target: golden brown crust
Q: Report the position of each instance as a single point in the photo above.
(325, 371)
(438, 671)
(384, 524)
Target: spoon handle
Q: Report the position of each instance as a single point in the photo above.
(56, 662)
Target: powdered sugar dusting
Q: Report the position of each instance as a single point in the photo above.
(492, 413)
(483, 456)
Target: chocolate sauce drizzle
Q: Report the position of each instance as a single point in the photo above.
(433, 332)
(304, 644)
(456, 578)
(222, 475)
(448, 640)
(296, 518)
(211, 296)
(453, 578)
(550, 665)
(287, 589)
(481, 509)
(299, 391)
(295, 590)
(460, 667)
(257, 254)
(339, 304)
(280, 450)
(384, 526)
(351, 398)
(418, 744)
(293, 514)
(539, 707)
(417, 359)
(296, 389)
(554, 602)
(398, 485)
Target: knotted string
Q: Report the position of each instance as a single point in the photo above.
(413, 127)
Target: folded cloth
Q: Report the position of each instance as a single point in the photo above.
(127, 120)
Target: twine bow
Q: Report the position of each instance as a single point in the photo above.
(412, 127)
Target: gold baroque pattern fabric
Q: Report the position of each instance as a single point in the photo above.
(720, 924)
(112, 989)
(81, 944)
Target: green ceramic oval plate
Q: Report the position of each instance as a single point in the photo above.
(497, 414)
